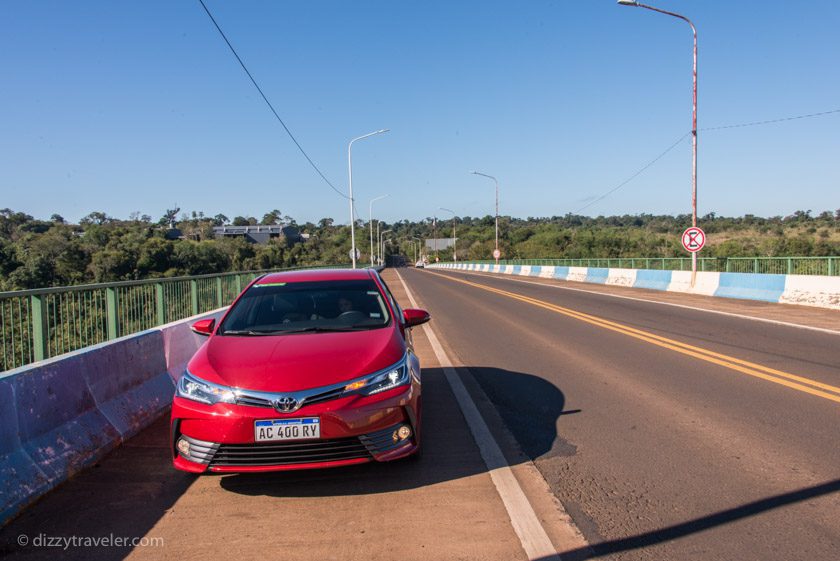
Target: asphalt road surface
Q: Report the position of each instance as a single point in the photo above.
(666, 432)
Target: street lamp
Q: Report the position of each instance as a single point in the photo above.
(381, 247)
(496, 253)
(693, 121)
(370, 213)
(434, 234)
(420, 246)
(454, 248)
(352, 208)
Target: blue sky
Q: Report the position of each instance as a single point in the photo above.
(137, 106)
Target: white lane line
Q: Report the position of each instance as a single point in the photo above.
(524, 520)
(684, 306)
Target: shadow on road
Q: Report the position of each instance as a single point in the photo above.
(449, 451)
(701, 524)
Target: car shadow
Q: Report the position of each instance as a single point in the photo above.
(449, 451)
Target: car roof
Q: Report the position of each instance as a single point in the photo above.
(312, 275)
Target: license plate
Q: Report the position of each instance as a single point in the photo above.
(304, 428)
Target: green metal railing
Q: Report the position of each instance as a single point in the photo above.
(46, 322)
(829, 266)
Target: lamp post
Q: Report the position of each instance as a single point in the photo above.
(370, 223)
(434, 235)
(381, 247)
(496, 252)
(454, 246)
(352, 208)
(693, 120)
(419, 247)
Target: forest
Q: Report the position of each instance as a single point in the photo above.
(36, 253)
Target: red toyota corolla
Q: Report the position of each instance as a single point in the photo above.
(307, 369)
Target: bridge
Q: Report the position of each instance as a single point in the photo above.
(573, 411)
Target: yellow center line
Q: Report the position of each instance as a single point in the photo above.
(793, 381)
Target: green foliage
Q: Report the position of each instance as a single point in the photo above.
(36, 253)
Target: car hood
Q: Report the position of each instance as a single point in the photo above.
(294, 362)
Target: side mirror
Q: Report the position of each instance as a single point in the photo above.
(414, 317)
(204, 326)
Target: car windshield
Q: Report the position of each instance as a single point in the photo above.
(299, 307)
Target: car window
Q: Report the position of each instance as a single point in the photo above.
(277, 308)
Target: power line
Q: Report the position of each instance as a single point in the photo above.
(270, 106)
(683, 137)
(635, 175)
(770, 121)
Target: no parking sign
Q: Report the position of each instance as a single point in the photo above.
(693, 239)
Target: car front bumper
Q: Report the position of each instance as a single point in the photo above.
(354, 429)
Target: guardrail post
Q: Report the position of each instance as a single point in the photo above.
(194, 297)
(40, 330)
(755, 265)
(160, 303)
(238, 284)
(789, 266)
(111, 312)
(218, 292)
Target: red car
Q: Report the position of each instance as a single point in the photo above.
(307, 369)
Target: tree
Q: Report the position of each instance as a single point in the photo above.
(95, 217)
(271, 218)
(169, 216)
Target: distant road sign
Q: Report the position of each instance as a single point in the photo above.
(358, 254)
(693, 239)
(496, 254)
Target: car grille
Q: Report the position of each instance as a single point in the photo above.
(305, 452)
(289, 453)
(245, 398)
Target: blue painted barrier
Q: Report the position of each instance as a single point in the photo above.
(597, 275)
(561, 272)
(656, 280)
(768, 288)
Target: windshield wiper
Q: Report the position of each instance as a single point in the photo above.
(308, 329)
(323, 329)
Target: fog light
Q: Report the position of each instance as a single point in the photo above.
(402, 433)
(183, 447)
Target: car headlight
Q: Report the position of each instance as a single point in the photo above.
(388, 379)
(196, 389)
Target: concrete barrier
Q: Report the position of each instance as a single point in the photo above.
(654, 280)
(768, 288)
(621, 277)
(705, 284)
(61, 415)
(812, 291)
(806, 290)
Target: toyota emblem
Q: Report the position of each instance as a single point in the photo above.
(285, 404)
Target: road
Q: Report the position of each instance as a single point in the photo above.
(659, 432)
(667, 433)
